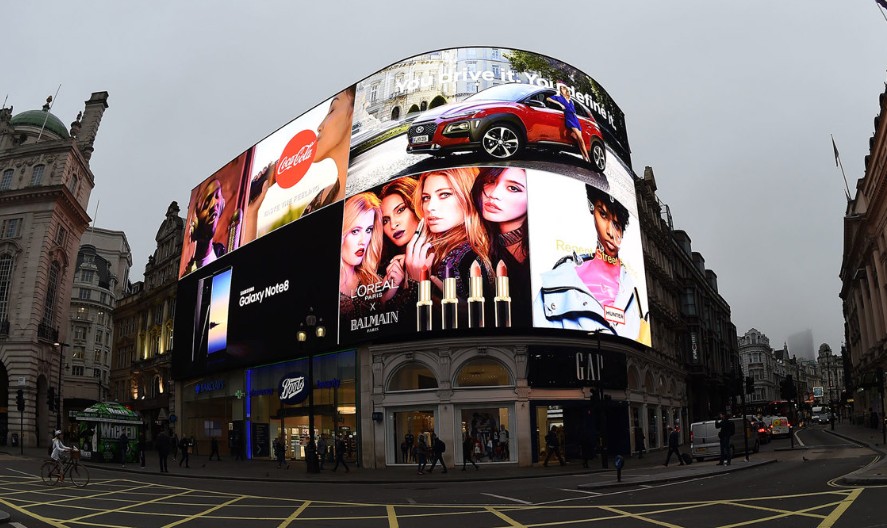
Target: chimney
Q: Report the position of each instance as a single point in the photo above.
(89, 125)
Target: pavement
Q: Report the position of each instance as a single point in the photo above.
(647, 470)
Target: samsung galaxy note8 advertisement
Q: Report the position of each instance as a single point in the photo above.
(482, 190)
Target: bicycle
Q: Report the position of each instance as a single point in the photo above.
(54, 472)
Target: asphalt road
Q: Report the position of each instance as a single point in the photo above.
(797, 491)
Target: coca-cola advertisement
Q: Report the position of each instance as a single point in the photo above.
(300, 168)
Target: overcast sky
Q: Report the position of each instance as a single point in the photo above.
(731, 103)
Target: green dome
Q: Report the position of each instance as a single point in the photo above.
(35, 119)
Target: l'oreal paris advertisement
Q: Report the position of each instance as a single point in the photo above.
(441, 250)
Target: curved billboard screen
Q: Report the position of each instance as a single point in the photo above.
(465, 190)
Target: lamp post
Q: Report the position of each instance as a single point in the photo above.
(312, 325)
(58, 392)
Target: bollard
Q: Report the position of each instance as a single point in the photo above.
(619, 462)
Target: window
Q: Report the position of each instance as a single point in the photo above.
(483, 372)
(77, 370)
(87, 276)
(61, 236)
(412, 376)
(37, 175)
(97, 373)
(103, 298)
(5, 285)
(11, 228)
(79, 332)
(85, 294)
(51, 293)
(74, 184)
(6, 181)
(374, 92)
(98, 337)
(77, 352)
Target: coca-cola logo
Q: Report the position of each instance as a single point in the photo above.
(297, 157)
(293, 388)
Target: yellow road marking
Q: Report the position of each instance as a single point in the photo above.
(837, 512)
(392, 517)
(32, 515)
(639, 517)
(124, 508)
(509, 520)
(292, 517)
(772, 517)
(201, 514)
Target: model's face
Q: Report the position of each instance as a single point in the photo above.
(209, 209)
(440, 207)
(505, 199)
(608, 233)
(335, 129)
(398, 221)
(357, 238)
(565, 92)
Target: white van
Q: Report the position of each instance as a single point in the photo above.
(704, 441)
(779, 426)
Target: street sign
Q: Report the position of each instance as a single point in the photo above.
(817, 392)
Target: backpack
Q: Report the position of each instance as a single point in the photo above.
(441, 446)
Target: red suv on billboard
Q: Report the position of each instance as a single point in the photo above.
(501, 121)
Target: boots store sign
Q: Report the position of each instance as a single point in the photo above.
(293, 388)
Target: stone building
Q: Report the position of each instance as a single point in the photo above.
(101, 278)
(759, 362)
(863, 288)
(45, 184)
(143, 328)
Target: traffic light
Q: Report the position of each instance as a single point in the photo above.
(749, 385)
(20, 400)
(50, 397)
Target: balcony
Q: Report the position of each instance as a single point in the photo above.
(4, 329)
(48, 333)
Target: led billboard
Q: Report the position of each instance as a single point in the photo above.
(466, 190)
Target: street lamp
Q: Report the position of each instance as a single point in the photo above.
(476, 86)
(58, 392)
(312, 325)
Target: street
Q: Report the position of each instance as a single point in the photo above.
(797, 490)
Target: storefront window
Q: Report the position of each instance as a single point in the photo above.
(488, 429)
(548, 416)
(408, 427)
(653, 432)
(412, 376)
(483, 372)
(335, 407)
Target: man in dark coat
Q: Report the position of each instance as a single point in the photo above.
(553, 446)
(163, 442)
(185, 447)
(122, 446)
(340, 454)
(214, 448)
(674, 439)
(725, 433)
(437, 450)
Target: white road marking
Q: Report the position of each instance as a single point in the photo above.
(508, 498)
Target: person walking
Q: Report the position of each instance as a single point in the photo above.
(438, 447)
(421, 453)
(174, 446)
(553, 445)
(639, 440)
(214, 449)
(122, 447)
(184, 445)
(162, 441)
(725, 434)
(468, 452)
(279, 452)
(322, 449)
(674, 438)
(340, 454)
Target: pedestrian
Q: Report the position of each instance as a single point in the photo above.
(586, 444)
(322, 449)
(238, 447)
(725, 434)
(503, 442)
(438, 447)
(468, 452)
(674, 438)
(142, 449)
(639, 440)
(162, 441)
(184, 446)
(553, 445)
(421, 453)
(279, 452)
(174, 446)
(122, 447)
(214, 449)
(410, 440)
(340, 454)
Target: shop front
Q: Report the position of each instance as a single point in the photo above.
(273, 415)
(212, 407)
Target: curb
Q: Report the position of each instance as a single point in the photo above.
(674, 478)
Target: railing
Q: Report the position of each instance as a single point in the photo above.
(44, 331)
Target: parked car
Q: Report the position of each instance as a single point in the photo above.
(761, 428)
(779, 426)
(705, 443)
(500, 122)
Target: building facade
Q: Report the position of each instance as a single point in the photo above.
(100, 280)
(863, 274)
(142, 342)
(45, 184)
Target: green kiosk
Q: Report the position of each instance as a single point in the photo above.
(100, 426)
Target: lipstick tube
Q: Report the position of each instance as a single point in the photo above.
(475, 297)
(502, 300)
(450, 303)
(424, 304)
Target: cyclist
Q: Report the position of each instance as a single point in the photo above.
(57, 449)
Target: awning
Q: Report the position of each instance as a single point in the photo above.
(109, 412)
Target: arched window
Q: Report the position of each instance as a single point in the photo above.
(37, 175)
(395, 113)
(6, 180)
(412, 376)
(483, 372)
